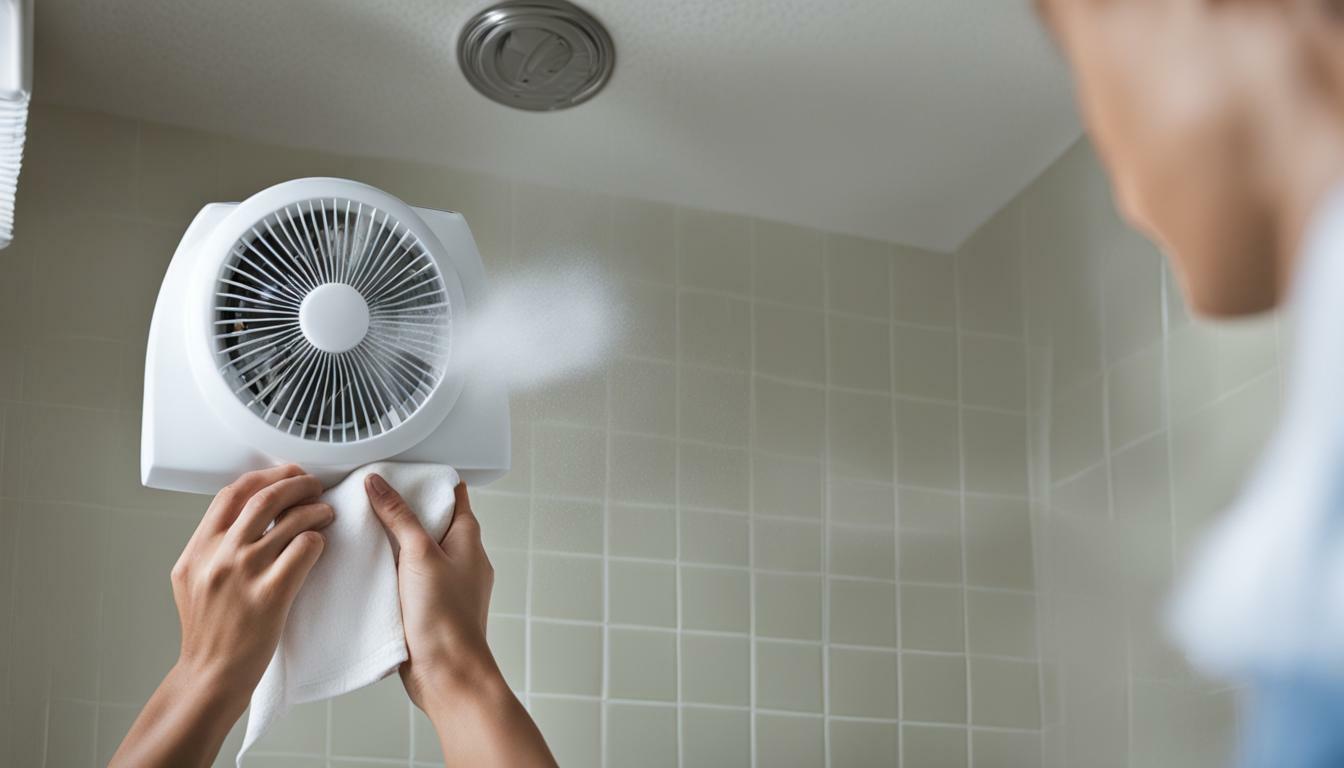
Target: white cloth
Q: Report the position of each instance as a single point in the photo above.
(344, 630)
(1264, 596)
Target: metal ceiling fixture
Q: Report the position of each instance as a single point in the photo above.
(538, 55)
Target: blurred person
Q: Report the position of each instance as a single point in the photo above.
(234, 585)
(1221, 125)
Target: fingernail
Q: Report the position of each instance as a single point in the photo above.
(377, 484)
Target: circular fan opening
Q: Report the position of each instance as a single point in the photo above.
(279, 358)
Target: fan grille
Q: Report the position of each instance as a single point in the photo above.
(268, 359)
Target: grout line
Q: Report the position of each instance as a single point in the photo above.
(678, 354)
(751, 501)
(531, 486)
(961, 478)
(826, 501)
(1037, 451)
(1105, 367)
(603, 724)
(896, 500)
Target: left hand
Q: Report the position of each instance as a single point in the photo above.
(239, 575)
(233, 586)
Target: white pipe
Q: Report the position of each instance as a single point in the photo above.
(16, 87)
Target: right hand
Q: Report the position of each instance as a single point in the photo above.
(445, 596)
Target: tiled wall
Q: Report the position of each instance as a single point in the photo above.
(1143, 423)
(787, 525)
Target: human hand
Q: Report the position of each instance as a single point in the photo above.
(445, 596)
(238, 575)
(233, 586)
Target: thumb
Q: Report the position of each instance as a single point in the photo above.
(463, 528)
(395, 515)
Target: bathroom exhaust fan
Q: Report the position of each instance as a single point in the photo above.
(316, 323)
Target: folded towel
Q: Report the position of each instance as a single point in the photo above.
(344, 630)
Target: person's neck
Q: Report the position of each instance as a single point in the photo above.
(1309, 167)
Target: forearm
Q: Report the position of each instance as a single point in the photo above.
(481, 724)
(184, 723)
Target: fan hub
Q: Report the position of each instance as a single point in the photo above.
(334, 317)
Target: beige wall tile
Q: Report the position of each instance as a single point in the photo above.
(857, 276)
(994, 372)
(862, 612)
(566, 587)
(923, 287)
(644, 240)
(932, 618)
(639, 736)
(787, 545)
(566, 658)
(861, 435)
(862, 502)
(863, 683)
(925, 362)
(1001, 623)
(788, 676)
(788, 606)
(572, 729)
(715, 669)
(714, 736)
(935, 747)
(927, 444)
(714, 330)
(789, 742)
(716, 538)
(790, 343)
(933, 688)
(712, 476)
(372, 722)
(639, 531)
(864, 552)
(860, 742)
(860, 353)
(642, 664)
(998, 543)
(642, 593)
(567, 525)
(1003, 749)
(644, 397)
(988, 278)
(715, 250)
(790, 419)
(1004, 693)
(714, 405)
(643, 469)
(787, 265)
(715, 599)
(787, 487)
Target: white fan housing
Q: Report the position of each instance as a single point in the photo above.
(316, 323)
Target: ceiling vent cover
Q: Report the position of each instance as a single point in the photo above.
(538, 55)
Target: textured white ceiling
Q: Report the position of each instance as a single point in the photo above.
(907, 120)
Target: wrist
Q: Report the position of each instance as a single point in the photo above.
(211, 684)
(466, 680)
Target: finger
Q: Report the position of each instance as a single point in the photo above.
(267, 504)
(395, 515)
(295, 561)
(229, 502)
(463, 526)
(292, 522)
